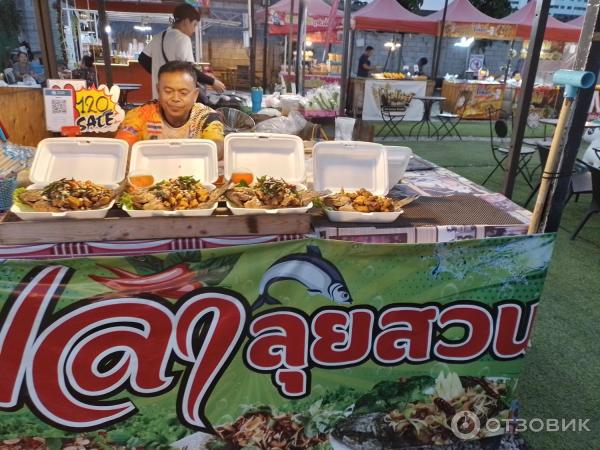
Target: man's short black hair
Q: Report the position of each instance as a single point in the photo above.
(179, 66)
(368, 48)
(185, 11)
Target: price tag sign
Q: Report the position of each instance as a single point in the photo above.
(97, 110)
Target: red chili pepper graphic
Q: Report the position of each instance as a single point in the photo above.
(172, 282)
(120, 272)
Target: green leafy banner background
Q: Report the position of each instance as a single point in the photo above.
(487, 271)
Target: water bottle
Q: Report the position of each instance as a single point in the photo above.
(256, 94)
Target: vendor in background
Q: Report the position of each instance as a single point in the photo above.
(86, 71)
(364, 63)
(175, 115)
(175, 44)
(421, 62)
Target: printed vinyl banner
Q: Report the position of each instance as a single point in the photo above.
(306, 344)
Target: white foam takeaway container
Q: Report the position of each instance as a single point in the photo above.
(100, 160)
(172, 158)
(398, 159)
(352, 165)
(266, 154)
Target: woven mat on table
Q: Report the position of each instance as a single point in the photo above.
(433, 211)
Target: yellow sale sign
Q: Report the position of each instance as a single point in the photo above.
(97, 110)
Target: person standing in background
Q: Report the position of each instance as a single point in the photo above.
(22, 67)
(175, 44)
(86, 71)
(364, 63)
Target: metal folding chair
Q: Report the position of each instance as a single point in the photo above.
(449, 121)
(392, 114)
(595, 204)
(499, 128)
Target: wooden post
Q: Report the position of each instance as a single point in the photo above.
(265, 82)
(345, 55)
(438, 48)
(252, 23)
(105, 42)
(531, 64)
(290, 48)
(550, 168)
(302, 15)
(42, 17)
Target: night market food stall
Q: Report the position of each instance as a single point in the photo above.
(485, 93)
(389, 16)
(389, 304)
(227, 316)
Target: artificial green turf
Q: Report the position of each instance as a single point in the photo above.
(561, 375)
(475, 128)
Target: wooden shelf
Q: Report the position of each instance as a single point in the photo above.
(14, 231)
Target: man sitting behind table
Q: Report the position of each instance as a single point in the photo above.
(175, 115)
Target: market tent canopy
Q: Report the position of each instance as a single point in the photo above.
(317, 20)
(389, 15)
(555, 29)
(463, 19)
(147, 6)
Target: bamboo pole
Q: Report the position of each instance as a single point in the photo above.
(551, 165)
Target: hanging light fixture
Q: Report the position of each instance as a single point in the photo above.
(464, 42)
(143, 26)
(391, 45)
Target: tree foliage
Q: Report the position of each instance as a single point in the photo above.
(494, 8)
(411, 5)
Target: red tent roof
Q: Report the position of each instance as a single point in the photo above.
(577, 22)
(315, 8)
(463, 11)
(389, 15)
(555, 29)
(317, 20)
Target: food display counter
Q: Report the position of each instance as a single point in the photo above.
(311, 80)
(482, 95)
(366, 96)
(211, 332)
(545, 100)
(17, 103)
(129, 73)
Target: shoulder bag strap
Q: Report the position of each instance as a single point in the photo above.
(162, 46)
